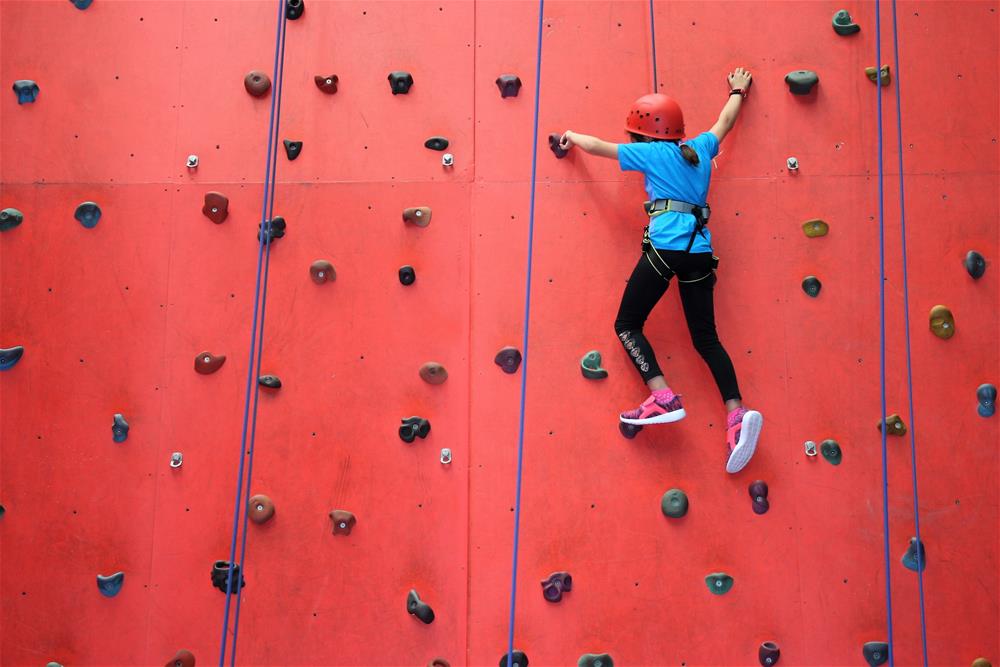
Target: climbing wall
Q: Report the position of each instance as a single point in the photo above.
(111, 318)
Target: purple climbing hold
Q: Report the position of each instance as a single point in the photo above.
(509, 85)
(557, 150)
(508, 359)
(758, 495)
(26, 91)
(555, 585)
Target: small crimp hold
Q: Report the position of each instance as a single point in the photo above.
(294, 9)
(810, 448)
(801, 82)
(629, 430)
(942, 322)
(343, 522)
(674, 504)
(811, 286)
(595, 660)
(831, 452)
(400, 82)
(883, 76)
(192, 161)
(509, 85)
(433, 373)
(10, 218)
(207, 363)
(417, 215)
(257, 83)
(517, 659)
(986, 394)
(110, 586)
(216, 207)
(445, 456)
(843, 24)
(915, 557)
(417, 607)
(792, 164)
(407, 275)
(447, 160)
(292, 148)
(590, 366)
(895, 425)
(322, 271)
(875, 653)
(176, 460)
(261, 508)
(276, 227)
(719, 583)
(88, 214)
(182, 658)
(269, 381)
(328, 84)
(438, 662)
(436, 143)
(26, 91)
(414, 427)
(119, 429)
(557, 150)
(758, 496)
(508, 359)
(768, 654)
(555, 585)
(220, 576)
(975, 263)
(9, 356)
(815, 228)
(81, 4)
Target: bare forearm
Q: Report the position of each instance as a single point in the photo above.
(731, 110)
(590, 144)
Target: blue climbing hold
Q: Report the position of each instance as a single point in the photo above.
(109, 586)
(986, 394)
(88, 213)
(81, 4)
(10, 356)
(119, 430)
(26, 91)
(910, 558)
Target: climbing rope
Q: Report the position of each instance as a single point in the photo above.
(246, 456)
(652, 41)
(524, 339)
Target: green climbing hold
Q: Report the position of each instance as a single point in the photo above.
(843, 24)
(831, 451)
(674, 503)
(590, 365)
(895, 424)
(883, 76)
(719, 582)
(10, 218)
(801, 82)
(815, 228)
(595, 660)
(811, 286)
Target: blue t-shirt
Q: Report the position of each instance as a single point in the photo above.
(670, 176)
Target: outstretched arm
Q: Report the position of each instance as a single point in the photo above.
(590, 144)
(727, 119)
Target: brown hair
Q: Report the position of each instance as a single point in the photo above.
(689, 154)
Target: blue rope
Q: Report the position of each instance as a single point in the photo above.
(906, 317)
(524, 339)
(253, 337)
(652, 40)
(881, 286)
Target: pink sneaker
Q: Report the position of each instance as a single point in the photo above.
(663, 410)
(743, 429)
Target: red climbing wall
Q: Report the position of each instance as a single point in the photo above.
(111, 319)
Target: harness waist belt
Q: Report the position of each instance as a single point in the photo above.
(672, 205)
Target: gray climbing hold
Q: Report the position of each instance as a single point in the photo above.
(674, 504)
(915, 557)
(269, 381)
(9, 356)
(831, 451)
(719, 583)
(509, 85)
(555, 140)
(875, 653)
(294, 9)
(119, 429)
(590, 366)
(986, 394)
(975, 264)
(417, 607)
(110, 586)
(517, 659)
(10, 218)
(407, 275)
(802, 81)
(843, 24)
(414, 427)
(292, 148)
(811, 286)
(595, 660)
(81, 4)
(436, 143)
(88, 214)
(221, 577)
(26, 91)
(400, 82)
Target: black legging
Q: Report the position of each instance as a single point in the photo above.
(642, 293)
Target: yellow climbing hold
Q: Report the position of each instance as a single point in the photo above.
(942, 322)
(884, 75)
(981, 662)
(815, 227)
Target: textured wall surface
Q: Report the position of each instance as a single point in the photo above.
(111, 319)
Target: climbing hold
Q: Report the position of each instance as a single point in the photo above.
(942, 322)
(192, 161)
(986, 394)
(3, 510)
(407, 275)
(261, 508)
(328, 84)
(9, 356)
(557, 150)
(445, 456)
(801, 82)
(875, 653)
(269, 381)
(810, 448)
(595, 660)
(257, 83)
(509, 85)
(719, 582)
(831, 451)
(276, 227)
(815, 228)
(216, 207)
(438, 662)
(555, 585)
(981, 662)
(629, 430)
(176, 460)
(417, 607)
(220, 576)
(53, 664)
(322, 271)
(758, 494)
(400, 82)
(674, 504)
(10, 218)
(447, 160)
(792, 164)
(88, 214)
(895, 424)
(975, 263)
(508, 359)
(436, 143)
(343, 522)
(26, 91)
(518, 659)
(883, 77)
(182, 658)
(81, 4)
(433, 373)
(811, 286)
(206, 363)
(294, 9)
(417, 215)
(292, 148)
(910, 558)
(119, 429)
(768, 654)
(843, 24)
(110, 585)
(414, 427)
(590, 366)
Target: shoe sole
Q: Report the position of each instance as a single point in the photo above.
(753, 421)
(665, 418)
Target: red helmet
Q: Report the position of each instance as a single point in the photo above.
(657, 116)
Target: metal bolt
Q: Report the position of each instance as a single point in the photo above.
(448, 159)
(343, 524)
(810, 448)
(176, 459)
(320, 274)
(192, 161)
(418, 213)
(445, 456)
(793, 164)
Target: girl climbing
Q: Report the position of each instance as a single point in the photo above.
(676, 243)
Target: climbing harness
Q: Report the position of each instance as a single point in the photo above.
(660, 206)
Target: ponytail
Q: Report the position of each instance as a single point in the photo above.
(689, 154)
(686, 150)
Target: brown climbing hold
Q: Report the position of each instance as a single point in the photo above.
(815, 228)
(261, 508)
(183, 658)
(942, 322)
(981, 662)
(343, 521)
(417, 215)
(883, 75)
(438, 662)
(328, 84)
(207, 363)
(895, 424)
(216, 207)
(322, 271)
(433, 373)
(257, 83)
